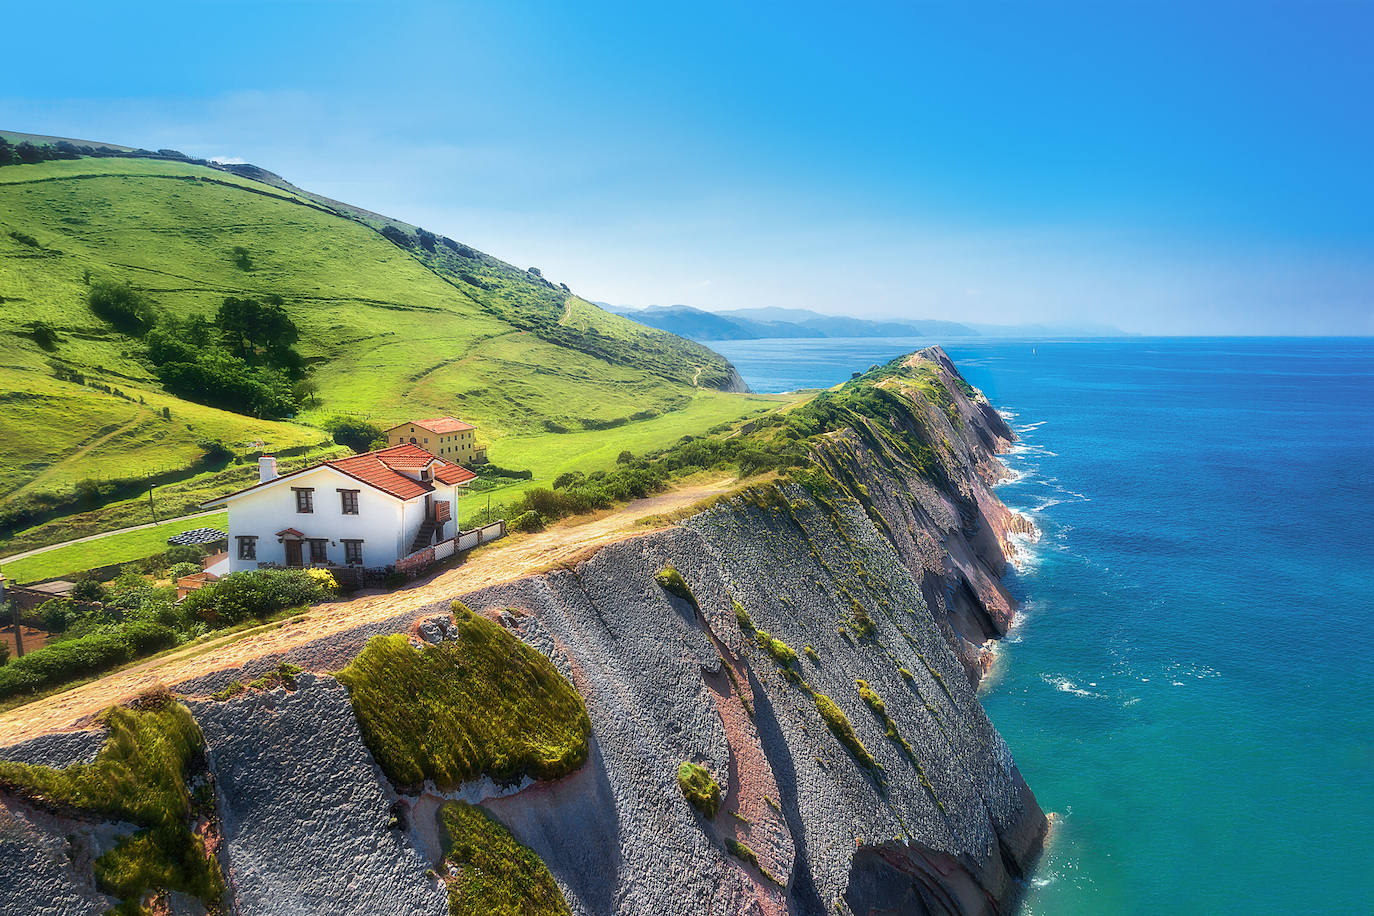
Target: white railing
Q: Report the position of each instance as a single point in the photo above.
(465, 541)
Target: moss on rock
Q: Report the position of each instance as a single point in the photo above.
(492, 873)
(483, 703)
(699, 788)
(139, 776)
(782, 653)
(672, 582)
(839, 725)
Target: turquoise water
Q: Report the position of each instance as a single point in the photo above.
(1189, 689)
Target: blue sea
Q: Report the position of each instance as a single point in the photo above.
(1190, 688)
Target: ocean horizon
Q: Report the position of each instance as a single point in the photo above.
(1185, 689)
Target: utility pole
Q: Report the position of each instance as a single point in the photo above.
(488, 508)
(151, 510)
(18, 634)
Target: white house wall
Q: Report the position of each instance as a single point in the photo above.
(379, 524)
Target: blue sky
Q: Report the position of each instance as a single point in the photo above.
(1167, 168)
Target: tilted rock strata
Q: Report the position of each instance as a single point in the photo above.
(895, 584)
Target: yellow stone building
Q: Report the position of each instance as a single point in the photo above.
(444, 437)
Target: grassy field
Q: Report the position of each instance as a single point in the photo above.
(391, 331)
(114, 548)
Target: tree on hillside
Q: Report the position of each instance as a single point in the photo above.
(356, 433)
(122, 306)
(260, 333)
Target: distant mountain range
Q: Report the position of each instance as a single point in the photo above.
(754, 324)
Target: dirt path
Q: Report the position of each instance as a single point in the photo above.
(519, 556)
(56, 469)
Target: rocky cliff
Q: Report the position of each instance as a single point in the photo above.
(818, 656)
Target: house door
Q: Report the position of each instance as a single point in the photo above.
(293, 553)
(429, 506)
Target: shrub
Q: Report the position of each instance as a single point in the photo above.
(220, 379)
(256, 593)
(496, 875)
(4, 654)
(702, 791)
(398, 236)
(863, 621)
(243, 259)
(355, 432)
(527, 521)
(178, 570)
(83, 656)
(568, 479)
(56, 613)
(183, 553)
(484, 703)
(121, 306)
(495, 470)
(88, 589)
(43, 335)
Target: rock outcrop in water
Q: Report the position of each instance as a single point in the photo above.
(883, 569)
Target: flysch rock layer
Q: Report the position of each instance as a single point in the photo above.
(306, 812)
(312, 826)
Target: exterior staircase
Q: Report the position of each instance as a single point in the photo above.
(425, 536)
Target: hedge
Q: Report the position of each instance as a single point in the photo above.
(69, 659)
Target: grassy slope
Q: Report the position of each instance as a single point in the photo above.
(117, 548)
(389, 337)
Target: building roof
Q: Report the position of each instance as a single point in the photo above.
(439, 425)
(381, 469)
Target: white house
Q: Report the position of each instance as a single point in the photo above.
(367, 510)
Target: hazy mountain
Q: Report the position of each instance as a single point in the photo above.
(753, 324)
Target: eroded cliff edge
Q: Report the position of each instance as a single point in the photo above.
(881, 564)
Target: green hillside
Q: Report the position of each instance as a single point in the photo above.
(394, 323)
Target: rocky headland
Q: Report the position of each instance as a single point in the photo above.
(813, 642)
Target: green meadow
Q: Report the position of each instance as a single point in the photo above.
(391, 328)
(115, 548)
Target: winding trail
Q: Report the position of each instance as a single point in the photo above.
(520, 555)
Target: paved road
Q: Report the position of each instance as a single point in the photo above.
(105, 534)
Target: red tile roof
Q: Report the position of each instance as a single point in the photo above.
(439, 425)
(381, 469)
(453, 473)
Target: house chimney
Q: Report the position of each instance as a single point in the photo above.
(267, 469)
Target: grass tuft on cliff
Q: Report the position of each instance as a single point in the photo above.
(484, 703)
(699, 788)
(839, 726)
(781, 652)
(496, 874)
(672, 582)
(138, 776)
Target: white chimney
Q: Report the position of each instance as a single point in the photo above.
(267, 469)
